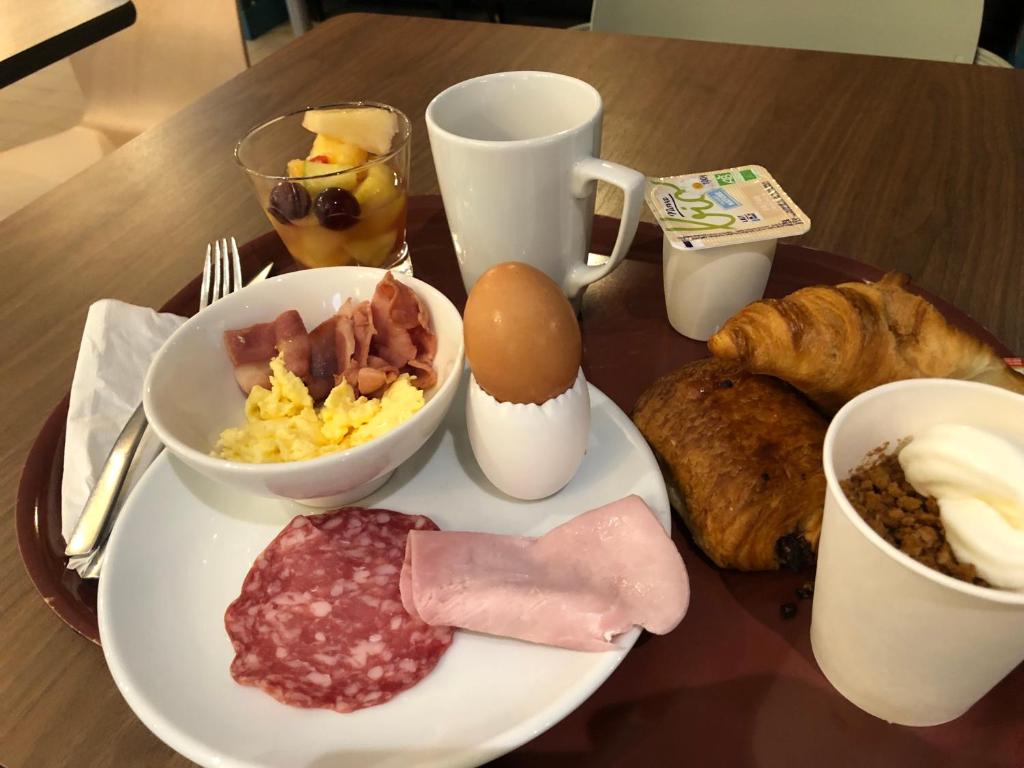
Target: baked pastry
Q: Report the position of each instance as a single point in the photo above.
(742, 457)
(834, 342)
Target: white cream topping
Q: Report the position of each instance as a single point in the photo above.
(977, 477)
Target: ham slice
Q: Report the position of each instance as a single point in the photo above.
(578, 586)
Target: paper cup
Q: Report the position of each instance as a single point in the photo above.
(704, 287)
(898, 639)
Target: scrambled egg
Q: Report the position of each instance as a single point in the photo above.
(282, 424)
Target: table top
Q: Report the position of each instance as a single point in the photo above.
(37, 33)
(902, 164)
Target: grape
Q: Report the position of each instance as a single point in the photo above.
(288, 201)
(336, 208)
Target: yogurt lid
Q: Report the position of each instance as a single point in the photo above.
(734, 205)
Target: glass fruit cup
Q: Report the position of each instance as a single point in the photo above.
(352, 214)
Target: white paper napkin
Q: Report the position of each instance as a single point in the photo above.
(118, 343)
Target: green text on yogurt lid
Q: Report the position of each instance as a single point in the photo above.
(734, 205)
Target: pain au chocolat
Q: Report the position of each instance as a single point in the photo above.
(742, 457)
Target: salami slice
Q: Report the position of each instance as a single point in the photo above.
(320, 622)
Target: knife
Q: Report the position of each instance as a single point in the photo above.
(93, 526)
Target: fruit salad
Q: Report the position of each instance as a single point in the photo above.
(345, 202)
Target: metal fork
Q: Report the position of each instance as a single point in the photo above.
(225, 278)
(222, 274)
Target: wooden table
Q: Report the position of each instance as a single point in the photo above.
(909, 165)
(36, 33)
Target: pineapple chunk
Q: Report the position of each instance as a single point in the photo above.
(369, 128)
(373, 251)
(313, 245)
(316, 186)
(374, 221)
(337, 151)
(378, 188)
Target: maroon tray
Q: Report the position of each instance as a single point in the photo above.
(735, 684)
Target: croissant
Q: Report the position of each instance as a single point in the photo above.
(834, 342)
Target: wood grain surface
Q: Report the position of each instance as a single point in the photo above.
(910, 165)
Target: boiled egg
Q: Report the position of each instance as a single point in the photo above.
(528, 403)
(523, 343)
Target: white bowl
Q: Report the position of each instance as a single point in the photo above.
(190, 394)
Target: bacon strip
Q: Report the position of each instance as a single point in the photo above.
(404, 338)
(371, 381)
(425, 376)
(344, 339)
(251, 350)
(323, 362)
(292, 342)
(255, 344)
(362, 321)
(249, 375)
(367, 343)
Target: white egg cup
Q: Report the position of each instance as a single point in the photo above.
(529, 451)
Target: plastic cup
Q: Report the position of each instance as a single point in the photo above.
(900, 640)
(704, 287)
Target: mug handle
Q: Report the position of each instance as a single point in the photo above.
(631, 182)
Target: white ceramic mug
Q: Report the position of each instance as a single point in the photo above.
(516, 158)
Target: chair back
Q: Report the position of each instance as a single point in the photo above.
(176, 51)
(940, 30)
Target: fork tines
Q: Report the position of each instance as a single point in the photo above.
(222, 272)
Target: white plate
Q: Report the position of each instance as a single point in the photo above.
(183, 545)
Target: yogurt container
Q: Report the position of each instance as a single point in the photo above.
(720, 229)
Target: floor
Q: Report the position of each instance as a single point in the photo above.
(268, 42)
(49, 102)
(42, 104)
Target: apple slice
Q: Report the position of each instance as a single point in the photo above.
(345, 181)
(369, 128)
(337, 151)
(296, 168)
